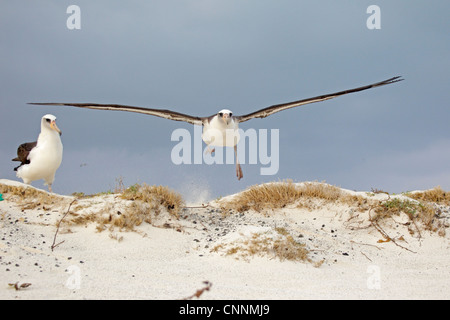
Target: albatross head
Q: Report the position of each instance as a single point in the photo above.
(225, 115)
(49, 123)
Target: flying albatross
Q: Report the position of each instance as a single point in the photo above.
(41, 159)
(217, 128)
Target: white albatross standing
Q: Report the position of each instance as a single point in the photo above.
(41, 159)
(217, 128)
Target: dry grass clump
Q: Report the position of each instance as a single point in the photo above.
(109, 219)
(281, 194)
(435, 195)
(266, 196)
(422, 213)
(356, 201)
(146, 203)
(156, 196)
(288, 249)
(31, 198)
(281, 246)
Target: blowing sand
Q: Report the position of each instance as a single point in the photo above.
(237, 253)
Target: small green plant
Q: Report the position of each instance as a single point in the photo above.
(415, 210)
(396, 206)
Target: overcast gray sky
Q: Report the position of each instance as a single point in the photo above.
(199, 56)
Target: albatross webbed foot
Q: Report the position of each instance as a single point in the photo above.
(239, 173)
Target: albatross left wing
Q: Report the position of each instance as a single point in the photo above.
(280, 107)
(167, 114)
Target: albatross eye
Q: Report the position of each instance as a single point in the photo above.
(48, 120)
(221, 114)
(231, 113)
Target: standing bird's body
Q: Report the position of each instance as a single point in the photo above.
(41, 159)
(221, 129)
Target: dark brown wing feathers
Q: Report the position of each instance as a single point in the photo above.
(172, 115)
(280, 107)
(22, 153)
(167, 114)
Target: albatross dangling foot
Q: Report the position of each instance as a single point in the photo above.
(210, 150)
(239, 173)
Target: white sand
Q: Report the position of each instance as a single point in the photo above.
(172, 263)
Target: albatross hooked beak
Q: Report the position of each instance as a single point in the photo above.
(55, 127)
(226, 117)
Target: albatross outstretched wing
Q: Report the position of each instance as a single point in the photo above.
(167, 114)
(284, 106)
(177, 116)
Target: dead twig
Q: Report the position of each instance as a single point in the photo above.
(19, 287)
(377, 191)
(53, 246)
(387, 237)
(365, 244)
(376, 225)
(199, 292)
(366, 256)
(203, 206)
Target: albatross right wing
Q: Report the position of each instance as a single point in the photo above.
(166, 114)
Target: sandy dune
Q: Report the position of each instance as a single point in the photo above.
(171, 258)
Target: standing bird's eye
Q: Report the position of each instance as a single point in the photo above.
(221, 114)
(231, 113)
(48, 120)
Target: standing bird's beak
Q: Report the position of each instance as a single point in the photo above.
(55, 127)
